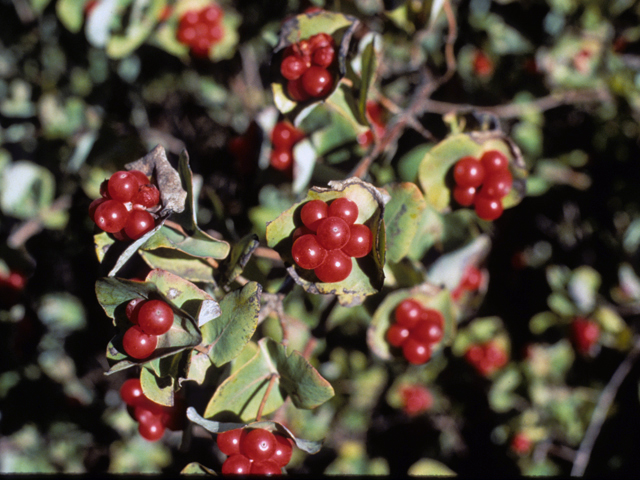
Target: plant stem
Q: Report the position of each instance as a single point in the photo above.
(607, 397)
(272, 382)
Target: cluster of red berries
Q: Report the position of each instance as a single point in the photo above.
(152, 417)
(374, 113)
(329, 238)
(415, 330)
(150, 318)
(416, 399)
(585, 334)
(122, 208)
(254, 451)
(471, 281)
(483, 183)
(486, 358)
(283, 137)
(200, 29)
(305, 66)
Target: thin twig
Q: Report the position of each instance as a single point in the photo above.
(599, 415)
(272, 382)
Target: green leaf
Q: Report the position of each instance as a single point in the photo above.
(227, 335)
(501, 394)
(71, 13)
(141, 22)
(242, 392)
(238, 258)
(449, 268)
(428, 296)
(402, 218)
(25, 189)
(212, 426)
(195, 468)
(158, 390)
(583, 288)
(480, 330)
(561, 304)
(367, 275)
(428, 467)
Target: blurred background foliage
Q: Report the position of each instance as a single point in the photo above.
(86, 87)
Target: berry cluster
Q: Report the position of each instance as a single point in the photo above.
(305, 66)
(152, 417)
(486, 358)
(329, 238)
(283, 137)
(200, 29)
(150, 319)
(585, 334)
(416, 399)
(471, 281)
(415, 330)
(122, 208)
(254, 451)
(483, 183)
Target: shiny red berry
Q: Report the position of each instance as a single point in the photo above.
(397, 334)
(416, 352)
(415, 399)
(296, 90)
(122, 186)
(94, 206)
(323, 57)
(281, 159)
(360, 241)
(307, 252)
(312, 213)
(345, 209)
(138, 223)
(131, 392)
(464, 196)
(236, 465)
(111, 216)
(152, 429)
(284, 450)
(497, 185)
(229, 441)
(488, 208)
(132, 309)
(407, 313)
(321, 40)
(333, 233)
(317, 81)
(211, 14)
(585, 334)
(336, 267)
(494, 161)
(284, 136)
(292, 67)
(427, 331)
(468, 172)
(155, 317)
(148, 196)
(138, 344)
(266, 467)
(258, 444)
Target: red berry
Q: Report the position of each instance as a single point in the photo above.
(520, 443)
(407, 313)
(321, 40)
(360, 241)
(482, 65)
(284, 136)
(292, 67)
(312, 213)
(495, 355)
(336, 267)
(472, 279)
(190, 18)
(428, 331)
(488, 208)
(585, 334)
(258, 444)
(415, 351)
(397, 334)
(215, 33)
(323, 57)
(143, 414)
(151, 429)
(333, 233)
(132, 309)
(415, 399)
(186, 34)
(111, 216)
(317, 81)
(131, 392)
(236, 465)
(138, 223)
(468, 172)
(474, 354)
(284, 450)
(138, 344)
(464, 196)
(201, 45)
(229, 441)
(307, 252)
(211, 14)
(267, 467)
(281, 159)
(155, 317)
(494, 161)
(141, 177)
(122, 186)
(300, 231)
(296, 90)
(148, 196)
(345, 209)
(497, 185)
(94, 205)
